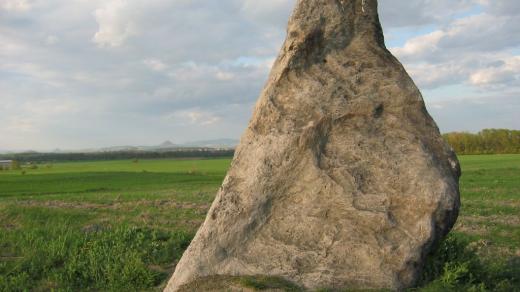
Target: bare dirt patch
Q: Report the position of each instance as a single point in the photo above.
(472, 229)
(510, 220)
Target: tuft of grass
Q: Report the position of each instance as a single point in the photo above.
(352, 290)
(114, 259)
(455, 266)
(268, 283)
(241, 283)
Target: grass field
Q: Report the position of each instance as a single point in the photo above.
(121, 225)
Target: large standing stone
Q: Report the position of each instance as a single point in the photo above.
(342, 178)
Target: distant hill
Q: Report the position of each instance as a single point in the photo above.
(218, 143)
(115, 149)
(170, 146)
(164, 146)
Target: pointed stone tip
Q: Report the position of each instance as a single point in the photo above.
(340, 20)
(319, 27)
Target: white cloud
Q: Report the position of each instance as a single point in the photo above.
(400, 13)
(22, 125)
(35, 71)
(33, 116)
(51, 40)
(505, 73)
(224, 76)
(473, 34)
(15, 5)
(10, 46)
(502, 7)
(194, 116)
(155, 64)
(269, 12)
(224, 71)
(434, 75)
(421, 45)
(477, 50)
(115, 26)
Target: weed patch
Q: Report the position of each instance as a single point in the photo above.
(455, 266)
(118, 259)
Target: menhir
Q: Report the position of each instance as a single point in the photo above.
(342, 179)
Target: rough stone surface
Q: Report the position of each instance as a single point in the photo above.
(342, 178)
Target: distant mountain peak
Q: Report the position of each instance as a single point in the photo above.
(167, 143)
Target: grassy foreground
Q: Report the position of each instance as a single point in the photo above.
(121, 225)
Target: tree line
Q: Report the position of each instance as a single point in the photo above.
(37, 157)
(489, 141)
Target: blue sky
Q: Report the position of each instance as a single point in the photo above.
(79, 74)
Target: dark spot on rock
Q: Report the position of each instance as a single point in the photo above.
(310, 51)
(313, 44)
(378, 111)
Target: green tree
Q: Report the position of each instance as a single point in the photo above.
(488, 141)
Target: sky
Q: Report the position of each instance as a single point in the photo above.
(78, 74)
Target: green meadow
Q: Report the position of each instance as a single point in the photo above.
(122, 225)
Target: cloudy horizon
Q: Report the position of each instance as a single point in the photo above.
(83, 74)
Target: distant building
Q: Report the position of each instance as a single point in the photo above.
(6, 164)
